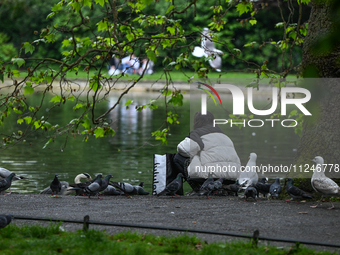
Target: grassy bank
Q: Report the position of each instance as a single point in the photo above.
(52, 240)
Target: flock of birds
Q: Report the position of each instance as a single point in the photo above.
(252, 187)
(247, 182)
(91, 187)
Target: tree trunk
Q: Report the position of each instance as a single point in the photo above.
(321, 52)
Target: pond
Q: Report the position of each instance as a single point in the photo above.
(128, 155)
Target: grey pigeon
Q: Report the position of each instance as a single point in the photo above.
(275, 189)
(6, 183)
(232, 188)
(322, 184)
(5, 173)
(105, 182)
(210, 187)
(111, 191)
(93, 188)
(295, 192)
(262, 187)
(250, 192)
(5, 220)
(55, 186)
(130, 189)
(173, 187)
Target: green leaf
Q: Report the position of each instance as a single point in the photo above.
(101, 2)
(172, 30)
(78, 106)
(244, 7)
(151, 55)
(18, 61)
(99, 132)
(28, 47)
(253, 22)
(170, 9)
(20, 121)
(16, 73)
(48, 142)
(102, 25)
(56, 99)
(71, 98)
(28, 120)
(28, 89)
(87, 124)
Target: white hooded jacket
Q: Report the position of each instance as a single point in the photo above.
(210, 151)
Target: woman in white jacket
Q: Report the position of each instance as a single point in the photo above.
(209, 151)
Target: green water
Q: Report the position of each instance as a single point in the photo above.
(128, 156)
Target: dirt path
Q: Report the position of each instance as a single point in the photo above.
(273, 218)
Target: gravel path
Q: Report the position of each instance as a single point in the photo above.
(273, 218)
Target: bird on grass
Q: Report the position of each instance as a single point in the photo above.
(55, 186)
(173, 187)
(250, 192)
(5, 220)
(129, 189)
(296, 193)
(275, 189)
(6, 183)
(262, 187)
(249, 175)
(322, 184)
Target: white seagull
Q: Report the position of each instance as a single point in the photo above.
(208, 49)
(249, 175)
(322, 184)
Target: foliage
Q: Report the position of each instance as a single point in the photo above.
(53, 239)
(87, 33)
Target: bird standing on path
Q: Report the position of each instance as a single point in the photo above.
(129, 189)
(6, 183)
(275, 189)
(250, 192)
(210, 186)
(94, 188)
(173, 187)
(249, 175)
(232, 188)
(295, 192)
(322, 184)
(55, 186)
(5, 220)
(262, 187)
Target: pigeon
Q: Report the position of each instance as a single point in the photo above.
(105, 182)
(6, 183)
(55, 186)
(5, 220)
(232, 188)
(173, 187)
(111, 191)
(94, 187)
(262, 187)
(249, 175)
(66, 188)
(295, 192)
(130, 189)
(275, 189)
(322, 184)
(5, 173)
(250, 192)
(210, 187)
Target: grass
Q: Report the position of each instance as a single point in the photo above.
(52, 240)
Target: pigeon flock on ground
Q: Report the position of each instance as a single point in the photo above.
(247, 183)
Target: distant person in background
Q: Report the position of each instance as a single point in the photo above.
(148, 67)
(129, 64)
(113, 67)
